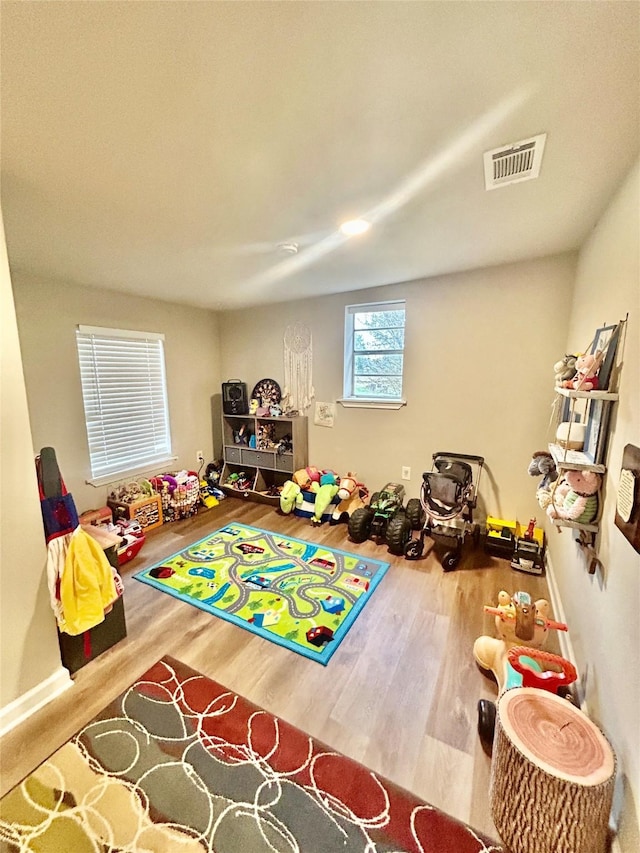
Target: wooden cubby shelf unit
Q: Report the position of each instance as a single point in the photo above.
(264, 466)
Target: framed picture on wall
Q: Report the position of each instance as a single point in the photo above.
(606, 340)
(596, 431)
(628, 498)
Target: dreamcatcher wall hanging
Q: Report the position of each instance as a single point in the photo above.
(298, 363)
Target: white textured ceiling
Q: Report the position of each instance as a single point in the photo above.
(166, 148)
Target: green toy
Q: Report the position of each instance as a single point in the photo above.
(326, 493)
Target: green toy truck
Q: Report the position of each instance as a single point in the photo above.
(386, 519)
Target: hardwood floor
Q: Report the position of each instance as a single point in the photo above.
(399, 694)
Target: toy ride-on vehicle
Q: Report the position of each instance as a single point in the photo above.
(386, 519)
(516, 657)
(448, 497)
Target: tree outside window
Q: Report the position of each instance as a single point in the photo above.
(374, 350)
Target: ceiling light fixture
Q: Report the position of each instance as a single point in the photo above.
(354, 227)
(287, 248)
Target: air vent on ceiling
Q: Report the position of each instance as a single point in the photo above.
(513, 163)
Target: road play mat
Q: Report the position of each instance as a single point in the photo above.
(298, 594)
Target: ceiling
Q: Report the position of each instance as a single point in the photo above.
(167, 148)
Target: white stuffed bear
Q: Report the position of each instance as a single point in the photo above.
(576, 497)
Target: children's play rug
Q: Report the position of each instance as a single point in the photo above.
(298, 594)
(178, 763)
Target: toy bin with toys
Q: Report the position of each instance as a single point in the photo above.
(179, 493)
(136, 501)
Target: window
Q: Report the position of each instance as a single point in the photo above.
(125, 400)
(374, 352)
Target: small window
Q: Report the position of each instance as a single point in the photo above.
(125, 400)
(374, 351)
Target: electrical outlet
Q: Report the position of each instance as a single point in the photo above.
(200, 456)
(406, 472)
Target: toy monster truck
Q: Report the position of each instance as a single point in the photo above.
(386, 519)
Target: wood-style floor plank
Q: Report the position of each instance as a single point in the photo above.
(399, 694)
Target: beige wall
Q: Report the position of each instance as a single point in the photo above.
(48, 313)
(602, 609)
(478, 374)
(27, 627)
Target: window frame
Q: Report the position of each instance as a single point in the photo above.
(101, 352)
(349, 398)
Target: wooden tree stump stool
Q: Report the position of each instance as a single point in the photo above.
(552, 775)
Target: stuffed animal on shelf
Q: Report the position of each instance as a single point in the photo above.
(565, 369)
(543, 463)
(575, 498)
(587, 367)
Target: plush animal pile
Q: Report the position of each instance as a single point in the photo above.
(322, 495)
(586, 375)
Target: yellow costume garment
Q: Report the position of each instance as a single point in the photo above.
(87, 587)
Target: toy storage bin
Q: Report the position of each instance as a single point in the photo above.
(230, 489)
(308, 506)
(268, 486)
(78, 650)
(146, 511)
(183, 501)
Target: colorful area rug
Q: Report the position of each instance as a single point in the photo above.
(298, 594)
(180, 764)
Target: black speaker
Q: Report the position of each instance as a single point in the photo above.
(234, 398)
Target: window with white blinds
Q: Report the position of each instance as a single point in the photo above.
(125, 399)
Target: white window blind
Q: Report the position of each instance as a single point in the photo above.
(125, 399)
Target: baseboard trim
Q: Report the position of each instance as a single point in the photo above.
(24, 706)
(564, 637)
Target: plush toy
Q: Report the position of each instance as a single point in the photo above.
(290, 496)
(575, 498)
(565, 369)
(326, 493)
(586, 378)
(301, 478)
(353, 495)
(542, 463)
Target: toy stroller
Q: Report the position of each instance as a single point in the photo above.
(448, 497)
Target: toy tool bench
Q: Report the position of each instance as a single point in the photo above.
(524, 547)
